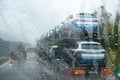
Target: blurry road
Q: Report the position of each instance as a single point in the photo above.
(32, 70)
(27, 70)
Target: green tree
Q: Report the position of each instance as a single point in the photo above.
(116, 40)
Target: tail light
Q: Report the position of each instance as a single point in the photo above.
(106, 71)
(11, 60)
(79, 72)
(78, 52)
(68, 72)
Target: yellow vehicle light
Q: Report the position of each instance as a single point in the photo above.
(107, 71)
(79, 72)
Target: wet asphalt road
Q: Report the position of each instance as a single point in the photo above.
(32, 70)
(26, 70)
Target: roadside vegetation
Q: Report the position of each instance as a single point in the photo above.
(3, 59)
(111, 38)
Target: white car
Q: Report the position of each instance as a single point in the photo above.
(90, 52)
(52, 50)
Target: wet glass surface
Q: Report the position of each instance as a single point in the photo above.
(29, 29)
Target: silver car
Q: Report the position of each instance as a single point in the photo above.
(90, 52)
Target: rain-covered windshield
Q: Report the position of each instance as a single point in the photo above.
(38, 39)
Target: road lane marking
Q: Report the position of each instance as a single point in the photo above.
(3, 64)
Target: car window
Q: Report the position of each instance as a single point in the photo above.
(91, 46)
(82, 15)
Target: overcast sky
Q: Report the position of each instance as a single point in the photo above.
(26, 20)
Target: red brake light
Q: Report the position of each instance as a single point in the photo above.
(11, 60)
(68, 72)
(78, 52)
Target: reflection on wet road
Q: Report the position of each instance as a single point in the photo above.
(32, 70)
(25, 70)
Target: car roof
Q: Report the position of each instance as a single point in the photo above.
(55, 46)
(88, 42)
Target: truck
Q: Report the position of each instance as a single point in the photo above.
(88, 57)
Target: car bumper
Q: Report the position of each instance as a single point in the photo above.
(93, 61)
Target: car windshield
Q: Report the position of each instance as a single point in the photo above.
(40, 39)
(91, 46)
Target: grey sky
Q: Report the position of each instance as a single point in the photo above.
(26, 20)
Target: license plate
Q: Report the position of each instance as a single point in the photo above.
(92, 72)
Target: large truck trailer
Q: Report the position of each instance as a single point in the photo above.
(88, 57)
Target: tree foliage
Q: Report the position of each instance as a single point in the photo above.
(65, 43)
